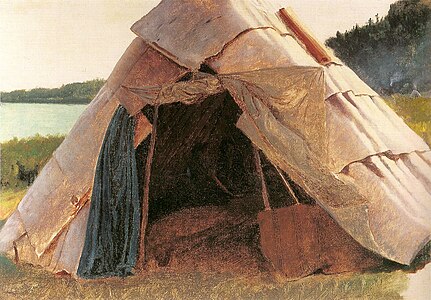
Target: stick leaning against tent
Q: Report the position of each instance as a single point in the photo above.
(140, 264)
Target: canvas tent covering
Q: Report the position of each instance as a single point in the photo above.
(310, 115)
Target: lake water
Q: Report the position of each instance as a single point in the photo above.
(27, 119)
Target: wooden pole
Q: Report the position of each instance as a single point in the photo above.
(287, 185)
(317, 50)
(140, 264)
(262, 178)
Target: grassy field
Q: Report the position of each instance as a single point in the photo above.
(416, 112)
(33, 153)
(9, 200)
(24, 282)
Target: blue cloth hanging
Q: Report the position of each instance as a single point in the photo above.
(113, 228)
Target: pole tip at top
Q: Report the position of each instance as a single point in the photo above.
(314, 47)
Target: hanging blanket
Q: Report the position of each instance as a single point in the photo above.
(111, 243)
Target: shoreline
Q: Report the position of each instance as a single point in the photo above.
(86, 102)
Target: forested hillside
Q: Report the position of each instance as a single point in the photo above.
(392, 54)
(72, 93)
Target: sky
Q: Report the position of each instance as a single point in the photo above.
(47, 43)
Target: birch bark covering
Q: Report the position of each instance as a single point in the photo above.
(321, 124)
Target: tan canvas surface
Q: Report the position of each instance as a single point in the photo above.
(361, 126)
(204, 34)
(250, 52)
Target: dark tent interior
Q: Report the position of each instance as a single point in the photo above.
(201, 158)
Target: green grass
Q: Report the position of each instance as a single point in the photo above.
(25, 282)
(9, 201)
(416, 112)
(30, 152)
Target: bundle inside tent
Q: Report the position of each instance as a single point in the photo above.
(204, 86)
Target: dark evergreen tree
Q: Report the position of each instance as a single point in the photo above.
(392, 54)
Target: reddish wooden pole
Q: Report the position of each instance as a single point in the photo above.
(140, 264)
(317, 50)
(287, 185)
(262, 178)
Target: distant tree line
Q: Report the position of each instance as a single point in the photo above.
(72, 93)
(392, 54)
